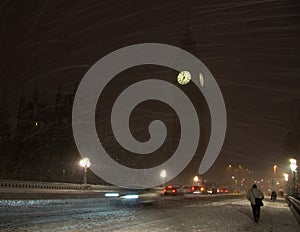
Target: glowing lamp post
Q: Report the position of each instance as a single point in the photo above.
(163, 175)
(275, 167)
(85, 163)
(286, 179)
(235, 181)
(196, 180)
(293, 167)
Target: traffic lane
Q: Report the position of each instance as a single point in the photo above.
(21, 212)
(176, 214)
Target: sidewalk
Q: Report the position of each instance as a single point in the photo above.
(275, 216)
(229, 216)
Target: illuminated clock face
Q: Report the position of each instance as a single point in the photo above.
(184, 77)
(201, 79)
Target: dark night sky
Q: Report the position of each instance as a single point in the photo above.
(251, 48)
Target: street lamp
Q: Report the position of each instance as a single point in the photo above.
(237, 173)
(85, 163)
(275, 167)
(196, 179)
(286, 179)
(229, 172)
(234, 183)
(293, 167)
(163, 175)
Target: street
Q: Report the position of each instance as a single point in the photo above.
(168, 214)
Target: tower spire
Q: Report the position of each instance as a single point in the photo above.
(188, 43)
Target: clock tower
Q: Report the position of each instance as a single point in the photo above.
(189, 44)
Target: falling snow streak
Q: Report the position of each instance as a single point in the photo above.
(251, 48)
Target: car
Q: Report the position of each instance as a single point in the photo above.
(145, 196)
(212, 191)
(211, 187)
(195, 189)
(173, 191)
(186, 189)
(223, 190)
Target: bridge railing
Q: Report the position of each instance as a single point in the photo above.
(34, 185)
(294, 205)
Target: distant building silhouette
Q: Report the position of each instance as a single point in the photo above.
(42, 147)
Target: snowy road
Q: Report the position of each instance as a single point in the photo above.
(170, 214)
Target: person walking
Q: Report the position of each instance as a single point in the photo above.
(273, 196)
(253, 194)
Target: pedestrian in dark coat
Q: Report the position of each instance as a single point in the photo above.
(273, 196)
(253, 193)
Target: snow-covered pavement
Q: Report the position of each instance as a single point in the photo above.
(169, 214)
